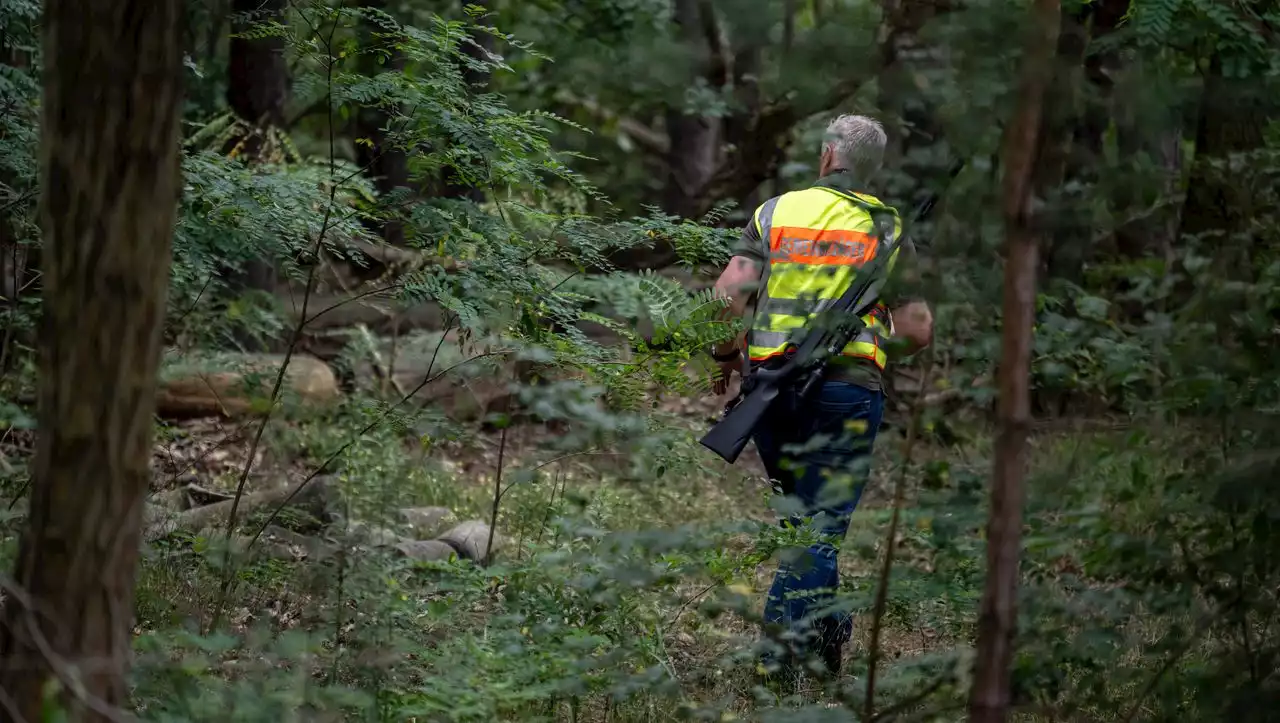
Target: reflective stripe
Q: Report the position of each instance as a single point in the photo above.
(816, 240)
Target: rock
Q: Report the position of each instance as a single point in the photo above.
(238, 384)
(314, 501)
(471, 539)
(365, 533)
(187, 497)
(478, 383)
(427, 522)
(426, 550)
(198, 496)
(174, 500)
(298, 545)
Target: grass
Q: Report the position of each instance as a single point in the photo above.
(622, 598)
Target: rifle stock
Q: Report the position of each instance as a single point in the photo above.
(729, 436)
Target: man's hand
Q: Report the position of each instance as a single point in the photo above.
(913, 323)
(720, 384)
(737, 283)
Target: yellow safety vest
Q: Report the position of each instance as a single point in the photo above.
(817, 238)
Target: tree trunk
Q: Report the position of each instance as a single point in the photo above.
(1069, 235)
(257, 91)
(694, 151)
(383, 158)
(110, 182)
(997, 624)
(908, 113)
(258, 77)
(1233, 118)
(481, 44)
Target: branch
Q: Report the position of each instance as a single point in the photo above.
(882, 589)
(720, 69)
(757, 143)
(406, 257)
(650, 140)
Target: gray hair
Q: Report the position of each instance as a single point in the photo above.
(857, 144)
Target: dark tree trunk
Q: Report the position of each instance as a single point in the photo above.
(110, 182)
(384, 158)
(258, 77)
(480, 45)
(693, 153)
(908, 114)
(997, 624)
(1067, 240)
(257, 91)
(1233, 118)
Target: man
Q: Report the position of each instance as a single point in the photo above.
(798, 254)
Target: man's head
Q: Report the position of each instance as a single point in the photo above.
(853, 143)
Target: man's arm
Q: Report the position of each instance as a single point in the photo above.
(737, 283)
(740, 279)
(912, 318)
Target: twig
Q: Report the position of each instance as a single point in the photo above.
(57, 664)
(1201, 626)
(911, 701)
(497, 491)
(227, 575)
(363, 431)
(882, 590)
(684, 606)
(379, 365)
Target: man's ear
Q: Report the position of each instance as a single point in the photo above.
(824, 163)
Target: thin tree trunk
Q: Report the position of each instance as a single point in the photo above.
(385, 159)
(110, 183)
(477, 81)
(257, 91)
(258, 77)
(694, 148)
(989, 699)
(1233, 119)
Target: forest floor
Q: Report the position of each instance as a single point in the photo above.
(930, 613)
(211, 453)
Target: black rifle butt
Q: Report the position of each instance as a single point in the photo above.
(729, 436)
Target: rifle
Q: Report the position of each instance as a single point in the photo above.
(806, 362)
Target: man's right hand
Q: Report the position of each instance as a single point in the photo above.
(720, 384)
(913, 322)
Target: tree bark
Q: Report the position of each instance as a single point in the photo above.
(1233, 119)
(384, 158)
(257, 91)
(990, 696)
(453, 186)
(110, 185)
(258, 77)
(1068, 240)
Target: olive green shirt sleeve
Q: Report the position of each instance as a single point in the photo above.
(750, 243)
(904, 284)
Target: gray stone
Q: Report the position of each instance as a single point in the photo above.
(471, 539)
(427, 522)
(373, 535)
(299, 545)
(426, 550)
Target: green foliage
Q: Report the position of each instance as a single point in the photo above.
(629, 579)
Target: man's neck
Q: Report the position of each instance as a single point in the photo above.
(841, 179)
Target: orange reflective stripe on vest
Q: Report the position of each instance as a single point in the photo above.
(817, 239)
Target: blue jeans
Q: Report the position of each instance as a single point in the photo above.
(818, 455)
